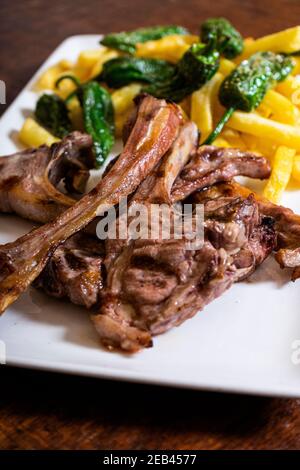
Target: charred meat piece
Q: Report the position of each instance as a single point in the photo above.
(154, 284)
(287, 226)
(74, 271)
(29, 180)
(212, 165)
(154, 132)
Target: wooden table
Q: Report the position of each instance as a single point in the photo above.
(42, 410)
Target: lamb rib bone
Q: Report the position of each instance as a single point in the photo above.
(155, 130)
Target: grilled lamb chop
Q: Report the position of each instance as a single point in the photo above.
(74, 271)
(287, 226)
(29, 180)
(154, 131)
(212, 165)
(153, 285)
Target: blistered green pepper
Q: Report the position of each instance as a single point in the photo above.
(246, 86)
(124, 70)
(52, 113)
(98, 116)
(197, 66)
(222, 31)
(126, 41)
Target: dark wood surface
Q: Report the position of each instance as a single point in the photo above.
(41, 410)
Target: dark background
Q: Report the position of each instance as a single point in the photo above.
(42, 410)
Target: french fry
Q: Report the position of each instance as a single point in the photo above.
(226, 66)
(89, 57)
(287, 40)
(34, 135)
(281, 173)
(120, 121)
(296, 69)
(169, 48)
(76, 115)
(66, 87)
(290, 88)
(123, 104)
(106, 56)
(260, 145)
(47, 80)
(123, 98)
(202, 105)
(233, 138)
(282, 108)
(220, 142)
(264, 110)
(296, 168)
(254, 124)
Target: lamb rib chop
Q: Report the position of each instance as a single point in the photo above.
(287, 226)
(74, 271)
(155, 130)
(154, 284)
(212, 165)
(29, 180)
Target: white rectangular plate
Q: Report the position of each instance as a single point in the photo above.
(242, 342)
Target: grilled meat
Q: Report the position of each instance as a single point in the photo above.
(154, 284)
(212, 165)
(29, 180)
(74, 271)
(287, 227)
(154, 132)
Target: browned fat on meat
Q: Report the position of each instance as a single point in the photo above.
(29, 180)
(154, 131)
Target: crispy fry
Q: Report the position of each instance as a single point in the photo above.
(34, 135)
(260, 145)
(283, 110)
(256, 125)
(234, 138)
(202, 105)
(296, 168)
(97, 67)
(226, 66)
(281, 173)
(123, 98)
(89, 57)
(220, 142)
(287, 40)
(169, 48)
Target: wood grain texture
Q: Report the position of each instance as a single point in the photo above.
(47, 411)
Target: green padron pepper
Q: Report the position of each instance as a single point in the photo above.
(197, 66)
(224, 33)
(98, 116)
(126, 41)
(124, 70)
(245, 87)
(52, 113)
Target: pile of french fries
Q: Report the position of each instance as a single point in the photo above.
(273, 130)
